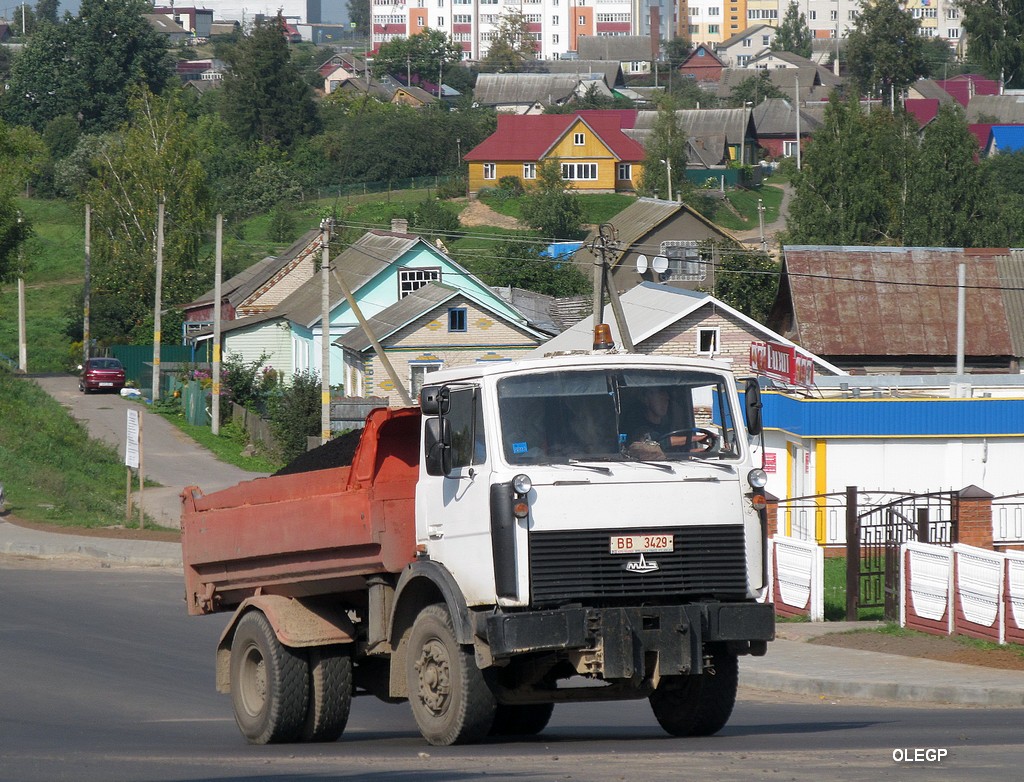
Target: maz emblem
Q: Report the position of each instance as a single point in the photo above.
(641, 566)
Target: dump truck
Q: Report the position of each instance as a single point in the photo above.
(530, 534)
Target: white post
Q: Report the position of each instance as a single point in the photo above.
(797, 106)
(22, 339)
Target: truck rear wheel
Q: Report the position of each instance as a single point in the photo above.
(521, 719)
(330, 693)
(269, 683)
(450, 700)
(698, 705)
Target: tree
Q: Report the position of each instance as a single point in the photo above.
(665, 148)
(265, 98)
(14, 230)
(513, 44)
(425, 55)
(46, 10)
(794, 35)
(23, 13)
(948, 205)
(852, 186)
(113, 49)
(551, 206)
(677, 50)
(995, 37)
(523, 265)
(884, 49)
(755, 89)
(153, 157)
(359, 15)
(295, 414)
(744, 279)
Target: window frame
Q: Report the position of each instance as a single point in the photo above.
(715, 334)
(457, 316)
(407, 278)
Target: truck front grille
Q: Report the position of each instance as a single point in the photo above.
(576, 565)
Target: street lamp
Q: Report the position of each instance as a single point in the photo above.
(668, 173)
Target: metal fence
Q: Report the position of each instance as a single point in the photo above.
(1008, 519)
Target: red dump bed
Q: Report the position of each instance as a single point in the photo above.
(308, 533)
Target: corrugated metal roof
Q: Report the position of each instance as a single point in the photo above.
(610, 70)
(697, 123)
(621, 48)
(1008, 138)
(931, 89)
(816, 83)
(777, 117)
(1011, 273)
(888, 418)
(894, 301)
(504, 89)
(530, 137)
(749, 32)
(1004, 109)
(402, 312)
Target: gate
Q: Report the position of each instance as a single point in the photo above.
(882, 528)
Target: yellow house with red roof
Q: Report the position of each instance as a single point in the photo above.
(595, 154)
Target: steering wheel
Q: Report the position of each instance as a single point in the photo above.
(697, 440)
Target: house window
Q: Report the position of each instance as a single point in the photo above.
(579, 139)
(624, 171)
(746, 43)
(765, 40)
(713, 11)
(490, 170)
(954, 32)
(418, 374)
(554, 38)
(529, 170)
(707, 342)
(833, 15)
(410, 280)
(419, 21)
(812, 16)
(440, 21)
(457, 319)
(712, 29)
(789, 148)
(554, 20)
(579, 171)
(684, 261)
(582, 20)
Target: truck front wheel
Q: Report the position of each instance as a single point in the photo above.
(269, 683)
(698, 705)
(450, 700)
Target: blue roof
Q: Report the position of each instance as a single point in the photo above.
(894, 417)
(562, 249)
(1008, 138)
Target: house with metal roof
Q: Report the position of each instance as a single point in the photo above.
(633, 52)
(776, 125)
(260, 287)
(609, 70)
(996, 109)
(894, 310)
(744, 46)
(663, 320)
(702, 64)
(650, 229)
(591, 146)
(715, 137)
(532, 93)
(1005, 138)
(379, 269)
(434, 327)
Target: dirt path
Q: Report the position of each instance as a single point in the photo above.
(479, 213)
(772, 229)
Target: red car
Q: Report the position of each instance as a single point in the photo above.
(101, 374)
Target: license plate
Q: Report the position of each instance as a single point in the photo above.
(106, 384)
(640, 544)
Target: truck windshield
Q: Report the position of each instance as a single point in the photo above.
(616, 415)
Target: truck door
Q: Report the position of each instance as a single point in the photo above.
(455, 509)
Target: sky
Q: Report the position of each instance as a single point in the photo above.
(333, 11)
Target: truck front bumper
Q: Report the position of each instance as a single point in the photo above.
(621, 638)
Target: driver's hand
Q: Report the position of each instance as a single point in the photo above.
(647, 450)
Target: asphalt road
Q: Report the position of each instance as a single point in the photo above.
(170, 457)
(103, 677)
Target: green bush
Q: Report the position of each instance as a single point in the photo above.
(295, 414)
(511, 186)
(452, 188)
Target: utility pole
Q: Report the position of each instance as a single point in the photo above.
(157, 296)
(22, 340)
(760, 220)
(86, 289)
(606, 241)
(796, 105)
(218, 264)
(325, 332)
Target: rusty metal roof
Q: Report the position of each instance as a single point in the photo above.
(902, 301)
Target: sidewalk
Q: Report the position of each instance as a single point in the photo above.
(792, 665)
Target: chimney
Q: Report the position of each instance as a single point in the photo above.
(399, 225)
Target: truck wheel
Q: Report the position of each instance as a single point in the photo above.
(269, 683)
(521, 719)
(698, 705)
(330, 693)
(450, 700)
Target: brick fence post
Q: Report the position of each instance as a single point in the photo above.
(975, 517)
(773, 514)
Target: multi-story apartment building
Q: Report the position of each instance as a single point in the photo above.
(556, 25)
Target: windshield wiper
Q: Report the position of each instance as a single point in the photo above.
(594, 467)
(659, 465)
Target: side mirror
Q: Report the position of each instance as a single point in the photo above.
(752, 405)
(434, 400)
(437, 447)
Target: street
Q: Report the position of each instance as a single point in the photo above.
(106, 678)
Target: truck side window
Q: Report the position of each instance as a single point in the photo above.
(465, 416)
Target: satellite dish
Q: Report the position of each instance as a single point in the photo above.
(641, 264)
(660, 264)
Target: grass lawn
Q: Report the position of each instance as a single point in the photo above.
(597, 209)
(745, 202)
(227, 446)
(835, 593)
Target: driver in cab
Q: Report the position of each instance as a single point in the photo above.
(656, 430)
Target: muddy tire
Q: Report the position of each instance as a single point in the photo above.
(450, 700)
(330, 693)
(521, 719)
(269, 683)
(698, 705)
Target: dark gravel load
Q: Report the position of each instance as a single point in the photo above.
(337, 452)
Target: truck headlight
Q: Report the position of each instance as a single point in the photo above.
(522, 484)
(757, 478)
